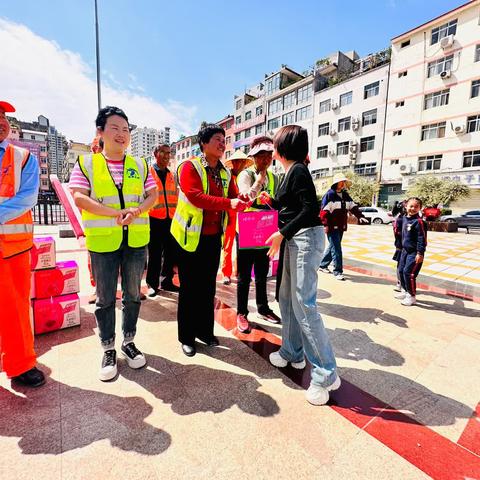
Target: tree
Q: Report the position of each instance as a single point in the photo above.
(433, 190)
(363, 189)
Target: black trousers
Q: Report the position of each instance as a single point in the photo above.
(258, 259)
(161, 247)
(198, 281)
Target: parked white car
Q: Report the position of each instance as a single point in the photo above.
(377, 215)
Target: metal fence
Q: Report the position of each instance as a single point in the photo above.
(49, 212)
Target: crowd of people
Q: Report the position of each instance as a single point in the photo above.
(135, 216)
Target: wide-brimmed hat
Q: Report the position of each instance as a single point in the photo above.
(340, 177)
(238, 155)
(261, 147)
(6, 107)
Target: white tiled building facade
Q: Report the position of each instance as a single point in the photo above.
(144, 140)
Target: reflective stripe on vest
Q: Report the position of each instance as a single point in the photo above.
(102, 233)
(168, 193)
(16, 235)
(187, 222)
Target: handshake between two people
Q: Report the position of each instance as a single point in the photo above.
(242, 202)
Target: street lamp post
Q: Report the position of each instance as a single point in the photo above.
(97, 51)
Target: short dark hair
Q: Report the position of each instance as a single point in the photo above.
(100, 143)
(207, 132)
(159, 147)
(291, 142)
(259, 140)
(105, 113)
(414, 198)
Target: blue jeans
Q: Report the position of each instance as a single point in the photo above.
(303, 332)
(130, 263)
(334, 252)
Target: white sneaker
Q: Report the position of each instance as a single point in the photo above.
(108, 370)
(325, 270)
(135, 358)
(409, 300)
(339, 276)
(397, 288)
(278, 361)
(317, 395)
(401, 295)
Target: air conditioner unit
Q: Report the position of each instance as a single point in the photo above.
(459, 129)
(331, 153)
(353, 147)
(447, 42)
(332, 132)
(446, 74)
(405, 169)
(355, 126)
(353, 156)
(334, 106)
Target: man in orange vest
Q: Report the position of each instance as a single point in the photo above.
(162, 243)
(19, 182)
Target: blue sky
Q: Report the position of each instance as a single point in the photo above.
(198, 54)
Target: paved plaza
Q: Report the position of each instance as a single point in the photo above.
(408, 407)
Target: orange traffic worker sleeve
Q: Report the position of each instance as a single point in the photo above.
(16, 337)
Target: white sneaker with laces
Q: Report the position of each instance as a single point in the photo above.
(409, 300)
(317, 395)
(325, 270)
(135, 358)
(278, 361)
(339, 276)
(108, 369)
(401, 295)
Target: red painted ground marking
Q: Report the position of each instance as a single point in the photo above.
(470, 438)
(421, 446)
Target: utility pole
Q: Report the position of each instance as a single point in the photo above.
(97, 51)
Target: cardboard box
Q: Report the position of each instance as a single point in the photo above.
(55, 313)
(43, 253)
(61, 280)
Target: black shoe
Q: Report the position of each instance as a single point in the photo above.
(270, 317)
(153, 292)
(169, 287)
(188, 350)
(31, 378)
(211, 342)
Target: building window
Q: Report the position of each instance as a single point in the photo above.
(304, 94)
(344, 124)
(288, 118)
(258, 111)
(473, 124)
(320, 172)
(475, 88)
(444, 30)
(238, 136)
(369, 117)
(404, 44)
(395, 161)
(44, 171)
(275, 106)
(471, 159)
(304, 113)
(44, 183)
(322, 151)
(371, 90)
(346, 98)
(325, 106)
(397, 133)
(438, 66)
(274, 123)
(430, 162)
(238, 104)
(259, 129)
(248, 116)
(401, 103)
(342, 148)
(238, 120)
(402, 74)
(228, 140)
(477, 54)
(435, 130)
(367, 143)
(289, 100)
(228, 154)
(436, 99)
(323, 129)
(248, 132)
(365, 169)
(273, 84)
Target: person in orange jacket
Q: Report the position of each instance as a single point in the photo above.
(19, 183)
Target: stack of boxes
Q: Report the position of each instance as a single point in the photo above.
(54, 289)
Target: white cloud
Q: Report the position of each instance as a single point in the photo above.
(40, 78)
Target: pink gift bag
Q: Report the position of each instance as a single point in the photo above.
(254, 228)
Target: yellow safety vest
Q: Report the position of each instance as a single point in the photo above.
(188, 219)
(103, 234)
(272, 185)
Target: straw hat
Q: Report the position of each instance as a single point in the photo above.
(238, 155)
(340, 177)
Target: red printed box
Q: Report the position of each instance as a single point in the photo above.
(43, 253)
(61, 280)
(55, 313)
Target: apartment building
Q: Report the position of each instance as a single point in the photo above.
(144, 140)
(433, 110)
(349, 114)
(227, 123)
(57, 148)
(75, 149)
(185, 148)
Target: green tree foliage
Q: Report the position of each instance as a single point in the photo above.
(363, 189)
(433, 190)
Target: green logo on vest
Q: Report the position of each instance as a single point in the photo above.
(132, 173)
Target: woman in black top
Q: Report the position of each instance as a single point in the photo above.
(303, 332)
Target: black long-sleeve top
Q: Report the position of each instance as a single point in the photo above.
(414, 235)
(296, 201)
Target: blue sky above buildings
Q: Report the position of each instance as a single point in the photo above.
(201, 53)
